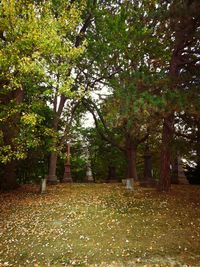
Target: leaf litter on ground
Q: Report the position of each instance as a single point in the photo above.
(100, 225)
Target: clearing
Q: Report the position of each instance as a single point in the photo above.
(100, 225)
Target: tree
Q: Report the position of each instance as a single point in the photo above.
(184, 23)
(37, 56)
(121, 51)
(187, 140)
(20, 76)
(148, 67)
(62, 65)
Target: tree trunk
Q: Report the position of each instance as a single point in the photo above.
(184, 32)
(131, 158)
(52, 178)
(131, 165)
(198, 143)
(167, 137)
(9, 178)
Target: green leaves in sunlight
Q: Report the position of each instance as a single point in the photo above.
(36, 47)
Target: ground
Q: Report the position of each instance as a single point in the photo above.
(100, 225)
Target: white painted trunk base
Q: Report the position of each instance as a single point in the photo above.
(43, 187)
(129, 184)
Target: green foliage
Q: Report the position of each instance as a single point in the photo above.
(127, 55)
(46, 70)
(103, 156)
(36, 47)
(130, 49)
(33, 168)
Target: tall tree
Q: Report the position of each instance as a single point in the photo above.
(123, 58)
(39, 47)
(62, 67)
(21, 73)
(184, 26)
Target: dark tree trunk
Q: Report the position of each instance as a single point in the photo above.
(131, 163)
(112, 177)
(185, 25)
(147, 164)
(9, 178)
(198, 143)
(168, 123)
(167, 137)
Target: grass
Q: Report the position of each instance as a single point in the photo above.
(100, 225)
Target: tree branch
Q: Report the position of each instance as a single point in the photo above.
(66, 132)
(107, 136)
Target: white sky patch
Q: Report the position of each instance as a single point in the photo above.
(88, 121)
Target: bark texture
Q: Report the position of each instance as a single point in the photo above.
(167, 137)
(130, 152)
(131, 166)
(52, 178)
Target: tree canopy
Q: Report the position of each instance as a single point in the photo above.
(56, 55)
